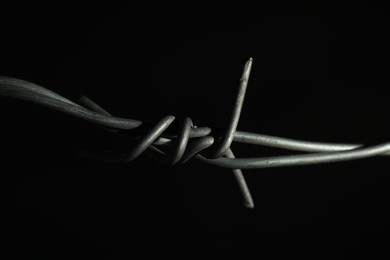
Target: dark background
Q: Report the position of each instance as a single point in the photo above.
(320, 73)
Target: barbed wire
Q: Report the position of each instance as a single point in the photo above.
(173, 146)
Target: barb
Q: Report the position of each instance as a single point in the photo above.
(168, 146)
(231, 129)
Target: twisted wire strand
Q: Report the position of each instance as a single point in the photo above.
(183, 137)
(171, 147)
(178, 153)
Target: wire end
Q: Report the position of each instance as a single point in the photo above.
(249, 204)
(247, 70)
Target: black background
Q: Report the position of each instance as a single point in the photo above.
(320, 73)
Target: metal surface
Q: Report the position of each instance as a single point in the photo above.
(190, 141)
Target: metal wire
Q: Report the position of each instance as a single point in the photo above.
(189, 141)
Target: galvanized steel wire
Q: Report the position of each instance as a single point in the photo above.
(189, 141)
